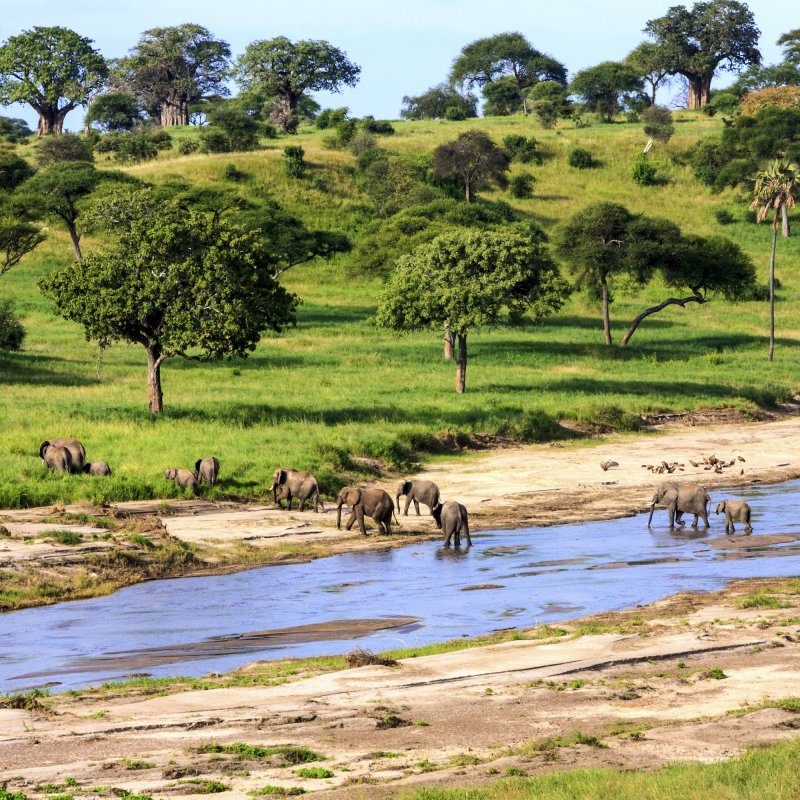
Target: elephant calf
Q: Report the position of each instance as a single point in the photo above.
(453, 519)
(374, 503)
(425, 492)
(736, 510)
(77, 452)
(55, 457)
(182, 478)
(206, 469)
(296, 483)
(97, 468)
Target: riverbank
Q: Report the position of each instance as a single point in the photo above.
(53, 554)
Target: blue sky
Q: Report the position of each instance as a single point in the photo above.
(402, 47)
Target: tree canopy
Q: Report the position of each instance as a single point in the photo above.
(434, 104)
(467, 279)
(646, 59)
(607, 88)
(473, 160)
(718, 34)
(114, 111)
(179, 283)
(171, 68)
(286, 70)
(53, 70)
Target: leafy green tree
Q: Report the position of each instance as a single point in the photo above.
(434, 104)
(647, 60)
(14, 169)
(758, 76)
(52, 150)
(467, 280)
(53, 70)
(17, 239)
(113, 112)
(240, 128)
(607, 88)
(502, 97)
(474, 160)
(718, 34)
(178, 283)
(14, 130)
(658, 123)
(549, 100)
(775, 191)
(287, 70)
(171, 68)
(790, 42)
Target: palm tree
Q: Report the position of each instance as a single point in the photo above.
(774, 190)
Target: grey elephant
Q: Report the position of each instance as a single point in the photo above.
(56, 457)
(99, 468)
(735, 510)
(425, 492)
(77, 451)
(206, 469)
(296, 483)
(375, 503)
(182, 478)
(679, 499)
(453, 519)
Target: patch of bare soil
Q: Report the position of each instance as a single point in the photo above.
(693, 677)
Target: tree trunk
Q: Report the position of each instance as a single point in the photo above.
(461, 364)
(699, 91)
(785, 221)
(448, 342)
(174, 112)
(606, 317)
(49, 121)
(772, 287)
(155, 397)
(76, 241)
(672, 301)
(467, 192)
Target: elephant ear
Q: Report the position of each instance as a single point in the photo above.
(353, 497)
(406, 487)
(197, 464)
(282, 476)
(42, 447)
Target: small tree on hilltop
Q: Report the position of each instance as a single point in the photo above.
(474, 160)
(607, 88)
(53, 70)
(467, 279)
(17, 239)
(178, 283)
(658, 123)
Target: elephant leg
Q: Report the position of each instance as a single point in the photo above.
(466, 533)
(416, 505)
(350, 520)
(748, 528)
(671, 512)
(359, 511)
(408, 503)
(448, 538)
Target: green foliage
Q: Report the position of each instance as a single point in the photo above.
(313, 772)
(14, 170)
(276, 791)
(379, 127)
(647, 60)
(58, 149)
(549, 101)
(724, 217)
(722, 103)
(134, 146)
(643, 171)
(14, 130)
(240, 128)
(607, 88)
(12, 334)
(658, 123)
(214, 141)
(46, 65)
(65, 537)
(521, 185)
(294, 161)
(188, 146)
(289, 753)
(522, 149)
(454, 114)
(473, 160)
(502, 97)
(114, 111)
(233, 173)
(581, 158)
(331, 118)
(440, 102)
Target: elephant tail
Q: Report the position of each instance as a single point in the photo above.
(318, 499)
(394, 514)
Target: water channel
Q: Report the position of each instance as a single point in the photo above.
(391, 597)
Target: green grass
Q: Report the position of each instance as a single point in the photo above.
(335, 387)
(767, 774)
(289, 753)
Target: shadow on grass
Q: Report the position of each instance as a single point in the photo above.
(36, 370)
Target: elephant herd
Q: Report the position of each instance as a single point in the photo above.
(689, 498)
(69, 455)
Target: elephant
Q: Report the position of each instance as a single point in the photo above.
(182, 477)
(679, 499)
(453, 519)
(55, 457)
(373, 502)
(76, 450)
(296, 483)
(426, 492)
(735, 510)
(206, 469)
(97, 468)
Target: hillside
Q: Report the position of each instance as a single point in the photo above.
(336, 388)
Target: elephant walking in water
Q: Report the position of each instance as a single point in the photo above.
(735, 510)
(453, 519)
(679, 499)
(373, 503)
(425, 492)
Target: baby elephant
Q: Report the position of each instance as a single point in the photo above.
(425, 492)
(735, 510)
(182, 477)
(206, 469)
(452, 518)
(97, 468)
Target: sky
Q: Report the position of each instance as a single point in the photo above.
(402, 47)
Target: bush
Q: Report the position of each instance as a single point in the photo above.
(454, 114)
(643, 172)
(240, 128)
(294, 162)
(213, 141)
(14, 130)
(380, 127)
(706, 159)
(522, 149)
(188, 146)
(521, 185)
(138, 146)
(724, 217)
(362, 142)
(331, 117)
(546, 111)
(160, 138)
(13, 169)
(658, 123)
(57, 149)
(12, 333)
(580, 158)
(270, 131)
(233, 173)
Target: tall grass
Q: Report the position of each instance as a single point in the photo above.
(335, 387)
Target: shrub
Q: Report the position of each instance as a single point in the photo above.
(362, 142)
(212, 141)
(771, 97)
(12, 333)
(580, 158)
(294, 162)
(658, 123)
(270, 131)
(546, 111)
(237, 125)
(65, 147)
(188, 146)
(706, 159)
(14, 130)
(643, 172)
(724, 217)
(233, 173)
(13, 169)
(138, 146)
(723, 103)
(521, 185)
(381, 127)
(331, 117)
(522, 149)
(454, 114)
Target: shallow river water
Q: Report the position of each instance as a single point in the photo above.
(187, 626)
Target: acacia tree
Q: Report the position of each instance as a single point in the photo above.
(17, 239)
(287, 70)
(775, 191)
(646, 59)
(114, 112)
(695, 43)
(53, 70)
(468, 279)
(171, 68)
(179, 283)
(607, 88)
(434, 104)
(790, 42)
(474, 160)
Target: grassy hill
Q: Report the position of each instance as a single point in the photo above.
(335, 387)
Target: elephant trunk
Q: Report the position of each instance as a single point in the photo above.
(339, 515)
(652, 509)
(275, 493)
